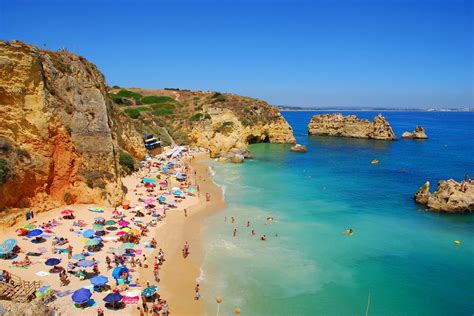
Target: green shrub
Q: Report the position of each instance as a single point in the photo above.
(94, 179)
(143, 108)
(162, 112)
(5, 171)
(115, 87)
(153, 99)
(196, 117)
(120, 100)
(129, 94)
(218, 97)
(162, 105)
(133, 113)
(126, 160)
(67, 198)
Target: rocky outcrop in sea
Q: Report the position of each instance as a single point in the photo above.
(351, 126)
(450, 196)
(418, 133)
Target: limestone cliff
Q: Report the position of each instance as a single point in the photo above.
(223, 123)
(350, 126)
(418, 133)
(450, 196)
(58, 141)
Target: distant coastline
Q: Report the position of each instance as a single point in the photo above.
(345, 109)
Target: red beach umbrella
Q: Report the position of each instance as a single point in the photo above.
(67, 212)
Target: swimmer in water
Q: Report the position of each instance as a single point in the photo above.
(235, 232)
(253, 232)
(264, 237)
(348, 231)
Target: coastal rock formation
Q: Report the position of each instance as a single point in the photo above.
(59, 142)
(450, 196)
(299, 148)
(350, 126)
(418, 133)
(220, 122)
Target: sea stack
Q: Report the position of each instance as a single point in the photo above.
(418, 133)
(450, 196)
(351, 126)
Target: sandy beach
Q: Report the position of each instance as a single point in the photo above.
(178, 274)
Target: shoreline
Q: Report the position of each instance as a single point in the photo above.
(178, 276)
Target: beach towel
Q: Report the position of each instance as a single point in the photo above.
(42, 273)
(33, 254)
(130, 300)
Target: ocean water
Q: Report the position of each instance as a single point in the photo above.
(399, 254)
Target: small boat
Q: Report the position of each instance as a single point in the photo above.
(374, 162)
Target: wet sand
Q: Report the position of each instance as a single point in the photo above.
(178, 275)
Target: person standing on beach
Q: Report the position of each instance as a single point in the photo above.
(32, 215)
(69, 252)
(27, 215)
(196, 294)
(233, 220)
(235, 232)
(185, 213)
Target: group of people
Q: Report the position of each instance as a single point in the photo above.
(234, 231)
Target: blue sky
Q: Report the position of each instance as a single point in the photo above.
(406, 53)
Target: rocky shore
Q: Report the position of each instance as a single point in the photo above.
(450, 196)
(351, 126)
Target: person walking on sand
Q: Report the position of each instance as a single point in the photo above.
(196, 294)
(185, 213)
(69, 252)
(234, 232)
(232, 220)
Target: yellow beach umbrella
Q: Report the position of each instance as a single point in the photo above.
(134, 231)
(126, 229)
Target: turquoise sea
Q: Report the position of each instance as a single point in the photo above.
(399, 253)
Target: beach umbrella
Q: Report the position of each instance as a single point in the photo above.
(110, 222)
(148, 180)
(161, 198)
(123, 223)
(34, 233)
(78, 256)
(85, 263)
(98, 227)
(67, 212)
(93, 242)
(7, 246)
(132, 293)
(88, 233)
(28, 226)
(118, 271)
(52, 262)
(21, 231)
(178, 192)
(174, 189)
(148, 201)
(113, 297)
(134, 231)
(126, 229)
(81, 296)
(99, 219)
(150, 290)
(99, 280)
(120, 233)
(128, 245)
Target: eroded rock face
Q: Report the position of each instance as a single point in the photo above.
(350, 126)
(450, 196)
(299, 148)
(224, 132)
(418, 133)
(55, 118)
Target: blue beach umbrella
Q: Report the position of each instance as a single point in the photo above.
(118, 271)
(113, 297)
(52, 261)
(81, 296)
(161, 198)
(78, 256)
(93, 242)
(85, 263)
(88, 233)
(99, 280)
(148, 180)
(150, 290)
(34, 233)
(99, 219)
(177, 192)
